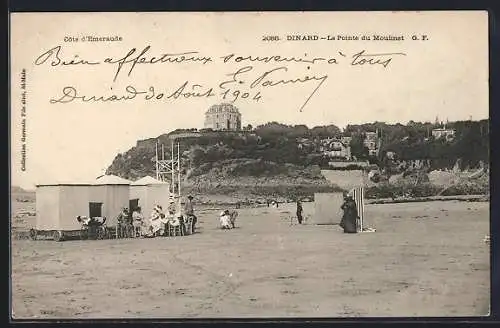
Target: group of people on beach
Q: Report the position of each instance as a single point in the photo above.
(159, 221)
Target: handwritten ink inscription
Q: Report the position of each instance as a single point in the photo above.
(247, 83)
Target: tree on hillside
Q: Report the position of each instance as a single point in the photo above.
(299, 131)
(276, 142)
(326, 131)
(471, 147)
(358, 149)
(272, 127)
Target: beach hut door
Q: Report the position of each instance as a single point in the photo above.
(95, 210)
(133, 204)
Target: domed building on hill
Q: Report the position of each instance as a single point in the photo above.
(223, 117)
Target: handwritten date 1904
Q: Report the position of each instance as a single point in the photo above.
(235, 95)
(185, 91)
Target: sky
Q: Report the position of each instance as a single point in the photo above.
(445, 76)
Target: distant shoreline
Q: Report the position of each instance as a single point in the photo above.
(380, 201)
(463, 198)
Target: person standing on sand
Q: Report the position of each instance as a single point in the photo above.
(138, 222)
(124, 222)
(189, 210)
(350, 216)
(299, 211)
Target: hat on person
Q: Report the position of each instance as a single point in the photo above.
(222, 213)
(190, 197)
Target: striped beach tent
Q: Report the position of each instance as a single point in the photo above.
(358, 196)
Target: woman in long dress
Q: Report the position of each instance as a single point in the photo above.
(350, 216)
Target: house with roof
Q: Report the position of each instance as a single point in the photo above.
(447, 134)
(372, 142)
(335, 148)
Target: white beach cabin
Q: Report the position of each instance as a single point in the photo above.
(109, 194)
(148, 192)
(59, 203)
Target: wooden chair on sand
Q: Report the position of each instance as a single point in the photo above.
(174, 229)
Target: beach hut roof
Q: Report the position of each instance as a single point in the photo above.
(147, 180)
(63, 182)
(111, 179)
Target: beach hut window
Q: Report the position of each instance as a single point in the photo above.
(95, 210)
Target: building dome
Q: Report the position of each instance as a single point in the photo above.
(223, 117)
(223, 108)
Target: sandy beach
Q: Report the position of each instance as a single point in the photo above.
(425, 259)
